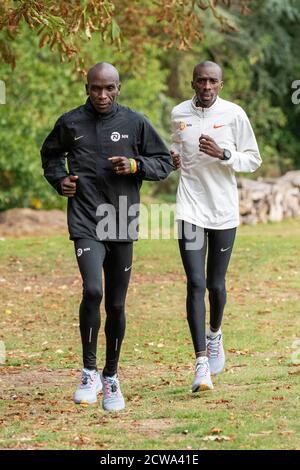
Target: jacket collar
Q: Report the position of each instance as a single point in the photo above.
(204, 111)
(90, 109)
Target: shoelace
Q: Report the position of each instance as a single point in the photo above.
(87, 380)
(202, 368)
(111, 386)
(214, 346)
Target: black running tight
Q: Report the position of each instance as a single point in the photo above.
(193, 254)
(116, 259)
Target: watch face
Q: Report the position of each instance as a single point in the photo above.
(227, 154)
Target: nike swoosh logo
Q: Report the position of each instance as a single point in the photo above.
(127, 269)
(80, 137)
(217, 127)
(225, 249)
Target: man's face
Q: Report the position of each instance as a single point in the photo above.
(207, 82)
(103, 89)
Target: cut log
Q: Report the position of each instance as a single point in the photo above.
(269, 199)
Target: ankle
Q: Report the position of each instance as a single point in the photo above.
(201, 354)
(213, 333)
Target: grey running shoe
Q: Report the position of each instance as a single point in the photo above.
(113, 399)
(90, 385)
(215, 353)
(202, 380)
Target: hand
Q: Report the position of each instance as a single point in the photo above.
(176, 159)
(209, 146)
(68, 186)
(121, 165)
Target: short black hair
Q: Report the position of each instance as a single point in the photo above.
(207, 63)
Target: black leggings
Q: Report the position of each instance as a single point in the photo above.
(116, 259)
(220, 244)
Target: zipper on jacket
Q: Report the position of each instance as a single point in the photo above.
(99, 132)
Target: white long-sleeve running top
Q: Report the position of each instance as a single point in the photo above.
(207, 194)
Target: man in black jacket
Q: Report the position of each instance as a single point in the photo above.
(110, 149)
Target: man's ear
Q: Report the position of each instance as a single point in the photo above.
(119, 88)
(192, 85)
(87, 89)
(221, 85)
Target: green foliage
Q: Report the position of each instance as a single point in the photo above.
(62, 25)
(259, 63)
(268, 45)
(257, 76)
(39, 90)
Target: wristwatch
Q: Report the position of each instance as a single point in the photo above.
(226, 154)
(140, 170)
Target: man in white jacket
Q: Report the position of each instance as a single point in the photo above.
(212, 139)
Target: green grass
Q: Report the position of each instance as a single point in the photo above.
(255, 403)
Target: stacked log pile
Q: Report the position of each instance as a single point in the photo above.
(269, 200)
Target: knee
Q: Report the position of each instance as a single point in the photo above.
(216, 288)
(116, 310)
(92, 294)
(196, 284)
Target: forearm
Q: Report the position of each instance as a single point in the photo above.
(154, 168)
(54, 171)
(246, 162)
(53, 156)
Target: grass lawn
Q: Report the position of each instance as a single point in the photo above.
(255, 403)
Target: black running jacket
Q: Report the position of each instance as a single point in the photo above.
(86, 139)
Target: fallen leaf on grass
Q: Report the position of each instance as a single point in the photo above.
(24, 439)
(216, 431)
(246, 352)
(66, 410)
(59, 351)
(134, 399)
(263, 312)
(164, 381)
(101, 445)
(261, 434)
(288, 432)
(81, 440)
(295, 372)
(235, 367)
(217, 438)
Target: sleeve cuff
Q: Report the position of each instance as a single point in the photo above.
(140, 170)
(231, 160)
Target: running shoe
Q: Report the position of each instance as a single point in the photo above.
(202, 380)
(113, 399)
(89, 387)
(215, 353)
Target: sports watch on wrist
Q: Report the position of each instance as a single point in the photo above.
(226, 154)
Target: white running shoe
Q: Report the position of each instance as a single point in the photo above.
(113, 399)
(202, 380)
(90, 385)
(215, 353)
